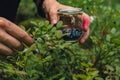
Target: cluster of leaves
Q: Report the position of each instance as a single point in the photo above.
(52, 58)
(49, 58)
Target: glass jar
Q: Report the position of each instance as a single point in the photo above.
(71, 23)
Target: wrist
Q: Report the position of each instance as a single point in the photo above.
(49, 2)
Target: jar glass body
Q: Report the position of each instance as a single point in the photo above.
(71, 23)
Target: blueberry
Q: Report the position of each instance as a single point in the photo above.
(72, 34)
(64, 31)
(77, 33)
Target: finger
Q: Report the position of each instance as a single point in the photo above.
(9, 41)
(15, 31)
(53, 16)
(4, 50)
(84, 36)
(85, 21)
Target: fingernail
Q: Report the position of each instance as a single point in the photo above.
(31, 35)
(82, 41)
(86, 24)
(54, 22)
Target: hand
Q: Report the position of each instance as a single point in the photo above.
(12, 37)
(51, 6)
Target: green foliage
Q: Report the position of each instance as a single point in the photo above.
(52, 58)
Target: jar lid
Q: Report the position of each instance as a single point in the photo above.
(70, 11)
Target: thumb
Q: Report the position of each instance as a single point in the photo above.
(86, 21)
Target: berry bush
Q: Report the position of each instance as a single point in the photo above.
(53, 58)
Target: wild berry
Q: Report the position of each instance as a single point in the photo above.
(71, 34)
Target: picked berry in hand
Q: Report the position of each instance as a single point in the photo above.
(71, 24)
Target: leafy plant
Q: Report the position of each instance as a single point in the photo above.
(53, 58)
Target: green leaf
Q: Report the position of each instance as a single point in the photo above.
(59, 24)
(113, 30)
(53, 30)
(116, 41)
(82, 76)
(59, 34)
(41, 24)
(63, 78)
(108, 37)
(47, 23)
(85, 65)
(34, 23)
(48, 58)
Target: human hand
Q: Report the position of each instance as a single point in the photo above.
(51, 9)
(12, 37)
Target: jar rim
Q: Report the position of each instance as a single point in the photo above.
(70, 11)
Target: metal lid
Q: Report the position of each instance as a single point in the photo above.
(70, 11)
